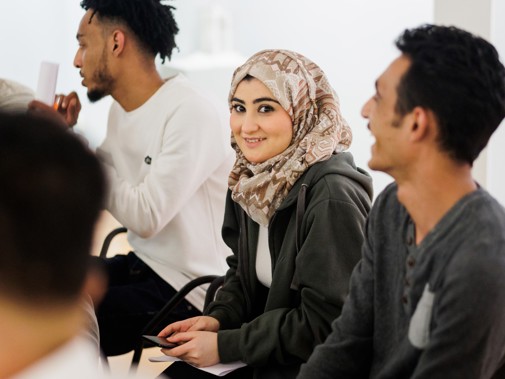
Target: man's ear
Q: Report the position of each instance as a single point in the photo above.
(422, 124)
(118, 42)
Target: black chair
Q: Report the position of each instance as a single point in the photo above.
(214, 281)
(108, 239)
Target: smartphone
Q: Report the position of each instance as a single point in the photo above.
(159, 341)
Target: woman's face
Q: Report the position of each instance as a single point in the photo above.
(261, 127)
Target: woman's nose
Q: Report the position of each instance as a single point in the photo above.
(249, 124)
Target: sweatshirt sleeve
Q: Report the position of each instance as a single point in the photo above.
(347, 351)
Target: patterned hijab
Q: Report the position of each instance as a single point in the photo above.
(319, 129)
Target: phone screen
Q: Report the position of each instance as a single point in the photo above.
(159, 341)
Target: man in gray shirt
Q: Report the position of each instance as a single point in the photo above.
(428, 298)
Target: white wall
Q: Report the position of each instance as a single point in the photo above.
(351, 40)
(496, 150)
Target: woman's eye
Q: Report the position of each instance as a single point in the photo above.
(265, 109)
(238, 108)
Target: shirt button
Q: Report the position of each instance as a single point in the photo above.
(404, 299)
(411, 262)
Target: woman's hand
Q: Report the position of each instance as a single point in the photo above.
(198, 348)
(202, 323)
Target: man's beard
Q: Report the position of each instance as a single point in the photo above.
(104, 80)
(96, 94)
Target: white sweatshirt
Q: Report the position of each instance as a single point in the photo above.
(167, 163)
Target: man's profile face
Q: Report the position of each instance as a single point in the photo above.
(92, 58)
(383, 121)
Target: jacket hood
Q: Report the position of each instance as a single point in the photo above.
(339, 163)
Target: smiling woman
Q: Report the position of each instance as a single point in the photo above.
(294, 218)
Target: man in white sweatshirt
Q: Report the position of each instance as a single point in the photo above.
(167, 157)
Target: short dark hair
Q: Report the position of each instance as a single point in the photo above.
(50, 197)
(459, 77)
(151, 21)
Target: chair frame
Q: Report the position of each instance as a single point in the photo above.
(214, 281)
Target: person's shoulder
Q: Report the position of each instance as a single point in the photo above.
(340, 175)
(478, 242)
(184, 88)
(492, 207)
(483, 216)
(186, 96)
(386, 207)
(14, 96)
(388, 195)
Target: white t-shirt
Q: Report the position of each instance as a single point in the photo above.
(168, 163)
(263, 258)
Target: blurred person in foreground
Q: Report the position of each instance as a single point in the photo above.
(51, 195)
(15, 98)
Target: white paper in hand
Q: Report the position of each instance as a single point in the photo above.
(46, 87)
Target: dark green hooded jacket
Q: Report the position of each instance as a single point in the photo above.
(275, 329)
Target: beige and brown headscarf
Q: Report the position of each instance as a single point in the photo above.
(319, 129)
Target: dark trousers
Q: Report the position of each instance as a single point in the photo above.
(181, 370)
(135, 294)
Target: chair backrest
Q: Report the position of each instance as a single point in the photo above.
(214, 281)
(108, 239)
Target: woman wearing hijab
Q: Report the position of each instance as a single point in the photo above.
(294, 219)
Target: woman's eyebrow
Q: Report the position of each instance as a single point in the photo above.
(261, 99)
(255, 101)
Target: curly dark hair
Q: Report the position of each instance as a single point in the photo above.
(459, 77)
(151, 21)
